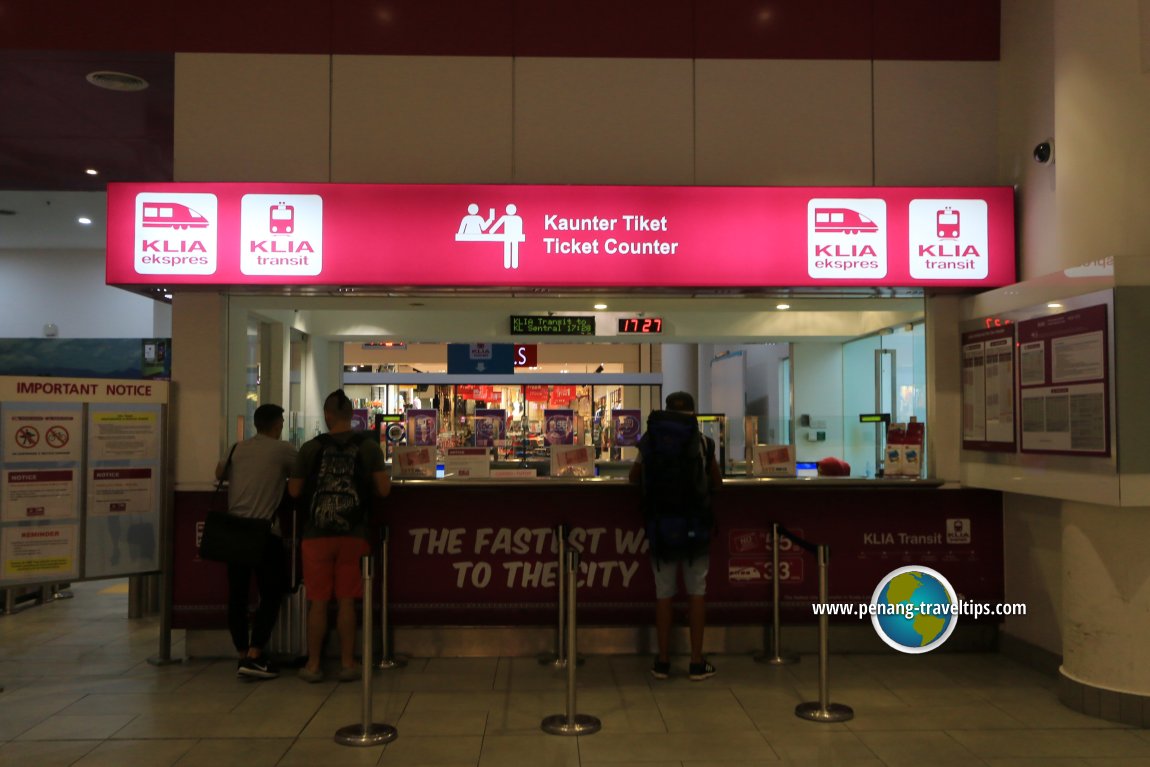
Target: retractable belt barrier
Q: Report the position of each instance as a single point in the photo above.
(367, 733)
(776, 657)
(822, 710)
(571, 723)
(386, 659)
(559, 659)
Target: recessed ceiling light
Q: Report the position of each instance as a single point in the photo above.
(783, 307)
(1054, 305)
(84, 220)
(600, 306)
(92, 171)
(116, 81)
(168, 296)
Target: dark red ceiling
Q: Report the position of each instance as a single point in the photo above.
(53, 124)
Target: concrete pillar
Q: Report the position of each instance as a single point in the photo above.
(681, 370)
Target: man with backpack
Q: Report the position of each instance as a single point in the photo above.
(679, 474)
(337, 476)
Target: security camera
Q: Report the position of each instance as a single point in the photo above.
(1044, 152)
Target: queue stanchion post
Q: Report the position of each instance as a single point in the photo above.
(823, 710)
(386, 659)
(776, 656)
(366, 733)
(559, 659)
(571, 723)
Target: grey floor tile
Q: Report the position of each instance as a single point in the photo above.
(136, 753)
(529, 751)
(1053, 743)
(82, 727)
(44, 753)
(241, 752)
(424, 750)
(725, 746)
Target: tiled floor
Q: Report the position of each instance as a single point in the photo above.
(79, 691)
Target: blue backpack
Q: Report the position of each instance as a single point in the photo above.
(676, 486)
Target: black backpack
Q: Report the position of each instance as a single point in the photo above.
(338, 499)
(676, 486)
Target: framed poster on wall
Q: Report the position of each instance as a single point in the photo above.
(1064, 383)
(988, 390)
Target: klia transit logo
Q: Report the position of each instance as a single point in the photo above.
(508, 230)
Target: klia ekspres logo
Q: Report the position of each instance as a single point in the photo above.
(175, 233)
(846, 239)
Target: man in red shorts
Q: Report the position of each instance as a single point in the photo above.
(337, 474)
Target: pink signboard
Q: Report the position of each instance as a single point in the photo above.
(559, 236)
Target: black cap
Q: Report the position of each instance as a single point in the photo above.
(266, 416)
(681, 402)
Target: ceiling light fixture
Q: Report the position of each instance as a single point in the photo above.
(783, 307)
(117, 81)
(92, 171)
(1054, 305)
(84, 220)
(600, 307)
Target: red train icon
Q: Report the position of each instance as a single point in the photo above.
(173, 215)
(948, 224)
(843, 221)
(281, 219)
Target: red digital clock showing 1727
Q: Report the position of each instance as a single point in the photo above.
(640, 324)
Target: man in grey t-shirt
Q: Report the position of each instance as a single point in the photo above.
(257, 470)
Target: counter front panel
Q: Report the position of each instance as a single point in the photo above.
(484, 554)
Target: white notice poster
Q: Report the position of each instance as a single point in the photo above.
(34, 435)
(120, 491)
(39, 552)
(132, 435)
(39, 494)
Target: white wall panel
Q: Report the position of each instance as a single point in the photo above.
(421, 119)
(251, 117)
(936, 123)
(67, 288)
(783, 123)
(607, 121)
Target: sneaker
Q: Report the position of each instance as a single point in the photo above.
(350, 674)
(700, 671)
(661, 669)
(257, 668)
(309, 676)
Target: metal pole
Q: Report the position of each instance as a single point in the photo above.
(167, 552)
(559, 660)
(823, 710)
(776, 658)
(367, 733)
(571, 723)
(386, 661)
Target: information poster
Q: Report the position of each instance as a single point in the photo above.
(1064, 383)
(467, 463)
(627, 426)
(988, 388)
(40, 489)
(422, 427)
(123, 435)
(31, 494)
(572, 461)
(490, 427)
(34, 435)
(34, 553)
(123, 489)
(413, 461)
(559, 427)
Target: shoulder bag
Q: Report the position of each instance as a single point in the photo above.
(229, 538)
